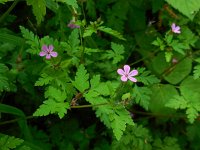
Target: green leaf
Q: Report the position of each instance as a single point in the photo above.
(172, 74)
(39, 9)
(190, 89)
(187, 36)
(9, 142)
(74, 40)
(81, 80)
(10, 38)
(3, 1)
(89, 31)
(142, 96)
(89, 51)
(162, 94)
(95, 81)
(188, 7)
(159, 42)
(115, 118)
(146, 78)
(43, 80)
(31, 39)
(168, 56)
(4, 81)
(167, 144)
(72, 3)
(116, 53)
(179, 47)
(111, 32)
(56, 94)
(189, 98)
(192, 108)
(119, 120)
(177, 102)
(193, 112)
(50, 107)
(196, 72)
(135, 138)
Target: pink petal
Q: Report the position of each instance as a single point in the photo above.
(120, 72)
(42, 53)
(50, 48)
(54, 54)
(173, 26)
(48, 56)
(177, 28)
(124, 78)
(177, 31)
(126, 69)
(45, 48)
(132, 79)
(133, 73)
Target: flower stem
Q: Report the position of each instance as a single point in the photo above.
(87, 106)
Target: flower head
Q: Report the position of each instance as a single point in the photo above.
(175, 29)
(72, 25)
(48, 51)
(126, 74)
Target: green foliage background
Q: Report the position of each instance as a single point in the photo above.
(77, 100)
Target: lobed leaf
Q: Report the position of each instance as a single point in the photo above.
(9, 142)
(39, 9)
(142, 96)
(50, 107)
(111, 32)
(81, 80)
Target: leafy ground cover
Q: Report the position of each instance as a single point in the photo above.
(107, 74)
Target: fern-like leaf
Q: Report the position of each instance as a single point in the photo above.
(81, 80)
(135, 137)
(142, 96)
(114, 118)
(31, 39)
(9, 142)
(192, 108)
(116, 53)
(56, 94)
(196, 72)
(167, 144)
(119, 120)
(43, 80)
(39, 9)
(50, 106)
(111, 32)
(177, 102)
(146, 78)
(4, 81)
(54, 104)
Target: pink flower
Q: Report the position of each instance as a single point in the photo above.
(72, 25)
(126, 74)
(175, 29)
(48, 52)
